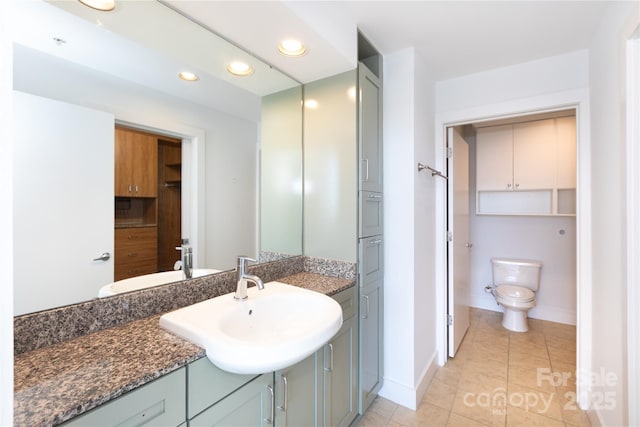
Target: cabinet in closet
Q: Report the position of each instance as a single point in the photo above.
(516, 157)
(136, 252)
(527, 168)
(136, 163)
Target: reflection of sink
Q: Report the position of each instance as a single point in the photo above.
(148, 280)
(272, 329)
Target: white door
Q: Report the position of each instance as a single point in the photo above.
(459, 245)
(63, 202)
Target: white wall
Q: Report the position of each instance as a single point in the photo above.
(549, 75)
(409, 287)
(424, 222)
(6, 218)
(230, 149)
(607, 84)
(526, 237)
(557, 82)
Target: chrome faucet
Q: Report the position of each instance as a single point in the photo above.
(242, 278)
(187, 258)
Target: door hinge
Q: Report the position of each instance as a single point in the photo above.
(449, 236)
(450, 320)
(449, 152)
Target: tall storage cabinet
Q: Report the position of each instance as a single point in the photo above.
(147, 217)
(370, 234)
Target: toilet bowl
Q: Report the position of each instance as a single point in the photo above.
(515, 283)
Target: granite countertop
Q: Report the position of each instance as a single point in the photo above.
(56, 383)
(324, 284)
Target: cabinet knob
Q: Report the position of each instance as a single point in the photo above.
(517, 185)
(508, 185)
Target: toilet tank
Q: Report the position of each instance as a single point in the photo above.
(519, 272)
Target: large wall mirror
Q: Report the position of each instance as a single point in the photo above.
(80, 74)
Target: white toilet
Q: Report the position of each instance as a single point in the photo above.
(515, 282)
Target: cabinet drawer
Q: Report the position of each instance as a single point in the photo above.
(208, 384)
(125, 270)
(348, 301)
(136, 237)
(136, 245)
(370, 214)
(371, 260)
(160, 402)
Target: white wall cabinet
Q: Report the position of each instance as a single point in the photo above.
(494, 158)
(534, 145)
(527, 168)
(566, 153)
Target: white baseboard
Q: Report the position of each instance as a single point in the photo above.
(426, 377)
(410, 396)
(550, 313)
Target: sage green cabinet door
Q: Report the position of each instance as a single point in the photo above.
(370, 130)
(371, 311)
(208, 384)
(298, 389)
(250, 406)
(158, 403)
(341, 375)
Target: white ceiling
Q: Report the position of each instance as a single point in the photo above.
(464, 37)
(455, 37)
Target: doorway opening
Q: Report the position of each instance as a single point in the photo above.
(148, 207)
(577, 101)
(511, 194)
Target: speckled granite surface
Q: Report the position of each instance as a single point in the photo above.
(319, 283)
(329, 267)
(55, 383)
(44, 328)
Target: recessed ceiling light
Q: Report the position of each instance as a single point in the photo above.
(291, 47)
(104, 5)
(239, 69)
(187, 76)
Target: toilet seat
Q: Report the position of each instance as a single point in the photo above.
(515, 293)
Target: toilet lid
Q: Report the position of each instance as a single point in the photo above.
(515, 293)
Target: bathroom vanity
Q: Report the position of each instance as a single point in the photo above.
(137, 372)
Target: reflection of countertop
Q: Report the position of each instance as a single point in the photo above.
(56, 383)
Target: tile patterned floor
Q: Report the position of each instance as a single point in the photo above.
(498, 378)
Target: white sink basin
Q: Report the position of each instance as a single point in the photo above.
(272, 329)
(149, 280)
